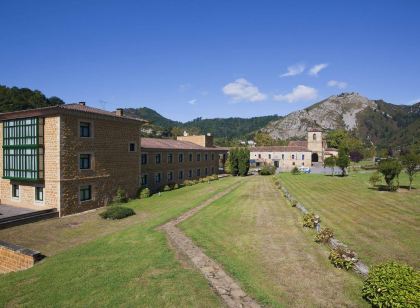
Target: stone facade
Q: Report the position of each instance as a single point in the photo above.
(202, 140)
(16, 258)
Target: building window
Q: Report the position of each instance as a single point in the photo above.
(198, 156)
(303, 156)
(170, 176)
(314, 137)
(23, 149)
(190, 157)
(212, 156)
(205, 171)
(15, 191)
(206, 156)
(198, 172)
(293, 163)
(132, 147)
(39, 193)
(157, 158)
(303, 164)
(282, 156)
(85, 161)
(293, 156)
(85, 193)
(144, 180)
(180, 174)
(157, 178)
(180, 157)
(170, 158)
(259, 155)
(269, 156)
(190, 173)
(85, 129)
(143, 158)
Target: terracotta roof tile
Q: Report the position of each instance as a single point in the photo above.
(298, 143)
(275, 148)
(155, 143)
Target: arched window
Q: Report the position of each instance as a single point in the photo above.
(314, 137)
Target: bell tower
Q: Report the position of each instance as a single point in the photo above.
(316, 144)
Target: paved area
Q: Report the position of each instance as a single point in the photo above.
(9, 210)
(222, 283)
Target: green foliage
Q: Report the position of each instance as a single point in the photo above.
(324, 235)
(267, 170)
(330, 162)
(144, 193)
(120, 196)
(167, 188)
(295, 171)
(188, 183)
(342, 258)
(264, 139)
(117, 212)
(14, 99)
(343, 160)
(391, 169)
(392, 285)
(310, 220)
(375, 178)
(410, 162)
(238, 161)
(293, 202)
(176, 186)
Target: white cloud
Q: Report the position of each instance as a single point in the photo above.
(338, 84)
(242, 90)
(317, 68)
(298, 94)
(294, 70)
(193, 101)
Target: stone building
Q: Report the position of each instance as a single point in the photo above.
(69, 157)
(167, 161)
(297, 153)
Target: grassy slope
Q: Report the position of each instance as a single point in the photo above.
(259, 239)
(378, 225)
(131, 267)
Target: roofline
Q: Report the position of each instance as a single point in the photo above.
(183, 149)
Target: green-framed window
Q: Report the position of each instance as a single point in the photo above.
(23, 149)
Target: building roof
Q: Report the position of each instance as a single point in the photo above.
(277, 148)
(331, 149)
(171, 144)
(298, 143)
(60, 109)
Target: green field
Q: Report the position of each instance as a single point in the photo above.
(131, 266)
(259, 240)
(378, 225)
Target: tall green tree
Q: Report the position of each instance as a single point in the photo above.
(330, 162)
(410, 162)
(343, 160)
(391, 169)
(243, 161)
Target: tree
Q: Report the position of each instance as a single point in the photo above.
(410, 162)
(264, 139)
(331, 163)
(243, 161)
(375, 178)
(343, 160)
(391, 169)
(356, 156)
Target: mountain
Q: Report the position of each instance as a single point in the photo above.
(13, 99)
(373, 121)
(152, 116)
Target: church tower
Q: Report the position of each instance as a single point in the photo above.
(316, 145)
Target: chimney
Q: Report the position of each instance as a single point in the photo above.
(119, 112)
(82, 103)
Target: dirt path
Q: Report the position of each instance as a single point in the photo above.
(222, 283)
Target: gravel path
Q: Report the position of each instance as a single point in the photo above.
(222, 283)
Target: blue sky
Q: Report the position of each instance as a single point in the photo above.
(189, 59)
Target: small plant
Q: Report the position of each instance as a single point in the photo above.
(324, 235)
(167, 188)
(117, 212)
(195, 182)
(267, 170)
(375, 179)
(310, 220)
(342, 257)
(176, 186)
(202, 180)
(295, 171)
(293, 203)
(188, 183)
(215, 177)
(144, 193)
(120, 196)
(392, 285)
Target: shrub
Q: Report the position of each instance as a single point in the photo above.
(215, 177)
(195, 182)
(390, 168)
(295, 171)
(392, 285)
(120, 196)
(342, 257)
(310, 220)
(324, 235)
(144, 193)
(267, 170)
(176, 186)
(375, 178)
(167, 188)
(117, 212)
(293, 203)
(202, 180)
(188, 183)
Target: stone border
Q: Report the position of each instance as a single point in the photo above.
(224, 285)
(15, 258)
(359, 267)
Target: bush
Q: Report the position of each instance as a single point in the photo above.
(120, 196)
(390, 168)
(375, 178)
(295, 171)
(215, 177)
(117, 212)
(167, 188)
(342, 258)
(392, 285)
(293, 203)
(310, 220)
(267, 170)
(176, 186)
(144, 193)
(188, 183)
(324, 235)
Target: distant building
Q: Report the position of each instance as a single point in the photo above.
(168, 162)
(298, 153)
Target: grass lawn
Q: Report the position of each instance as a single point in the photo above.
(111, 263)
(260, 241)
(378, 225)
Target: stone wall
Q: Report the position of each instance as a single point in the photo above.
(286, 160)
(201, 140)
(16, 258)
